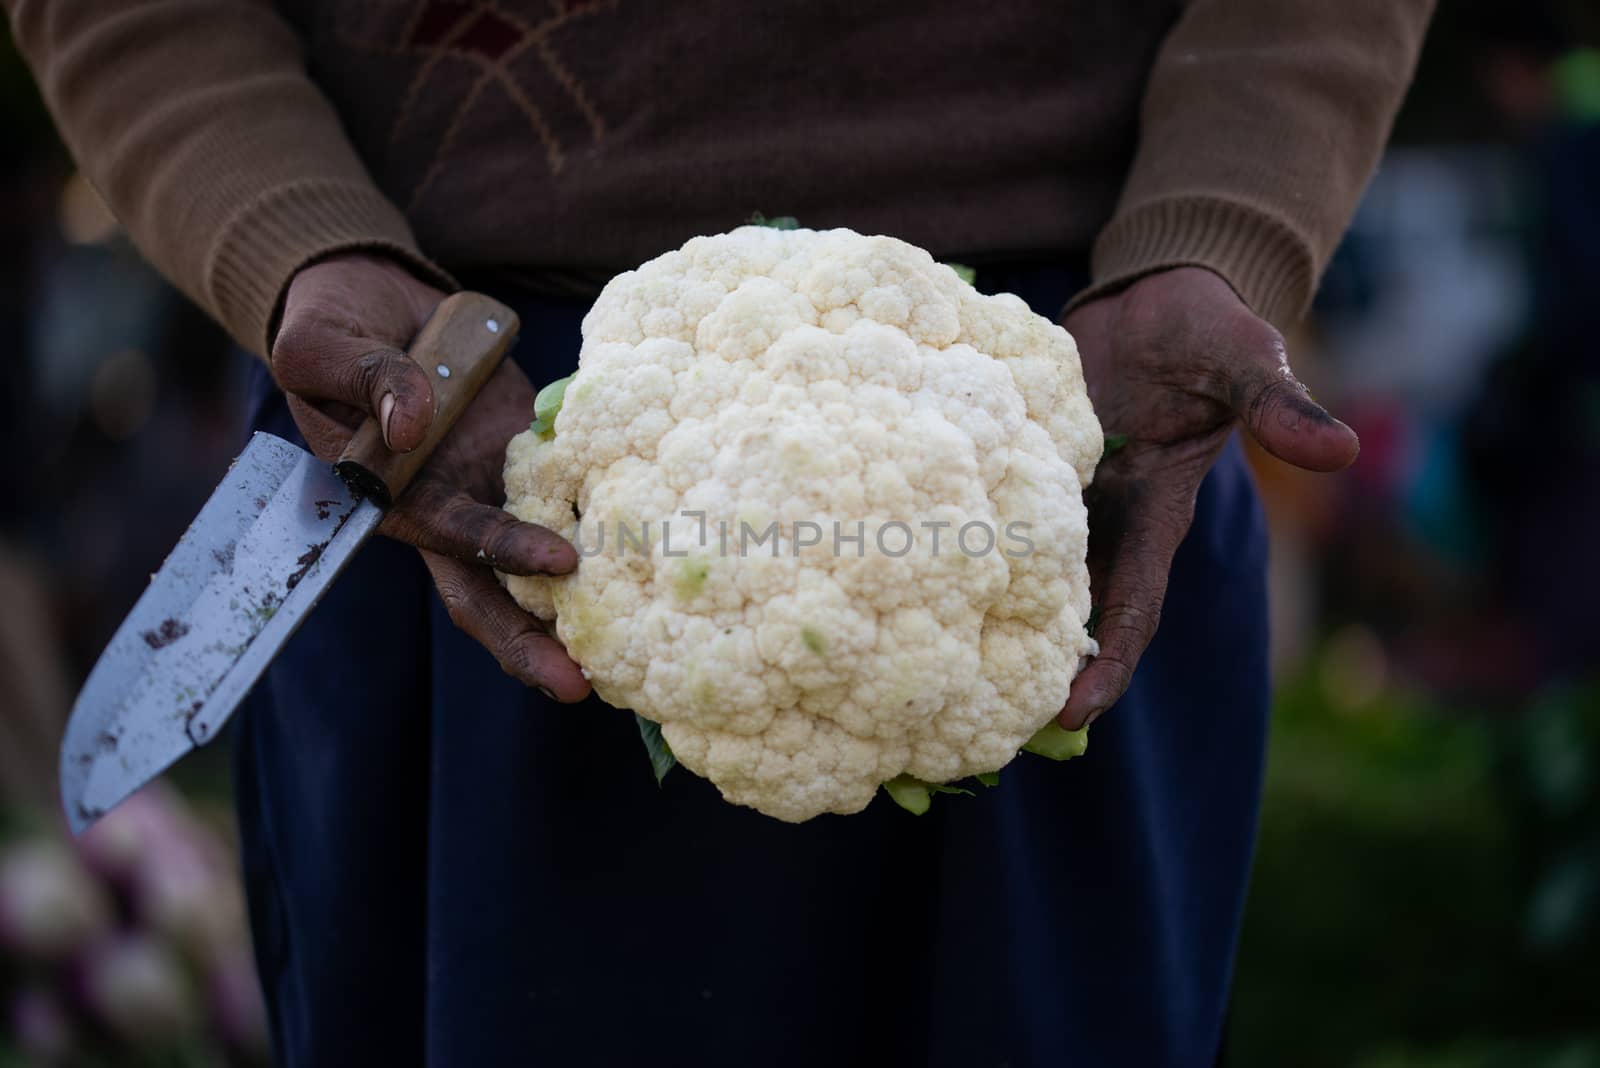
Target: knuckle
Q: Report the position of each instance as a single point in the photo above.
(1119, 673)
(423, 506)
(457, 605)
(370, 371)
(293, 353)
(517, 660)
(495, 535)
(411, 521)
(1129, 626)
(1261, 398)
(1270, 341)
(1245, 337)
(456, 525)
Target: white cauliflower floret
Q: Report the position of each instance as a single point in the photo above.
(832, 516)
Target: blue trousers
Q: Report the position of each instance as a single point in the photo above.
(445, 868)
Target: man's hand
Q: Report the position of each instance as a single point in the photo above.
(340, 356)
(1172, 362)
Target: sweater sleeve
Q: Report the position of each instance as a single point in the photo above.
(1261, 123)
(197, 122)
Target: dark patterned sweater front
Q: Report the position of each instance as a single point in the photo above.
(238, 140)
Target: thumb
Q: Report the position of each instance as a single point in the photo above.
(321, 363)
(1278, 410)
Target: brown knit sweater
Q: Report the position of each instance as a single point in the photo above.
(238, 140)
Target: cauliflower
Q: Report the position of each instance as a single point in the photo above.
(832, 527)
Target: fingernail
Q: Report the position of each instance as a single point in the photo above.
(547, 693)
(385, 413)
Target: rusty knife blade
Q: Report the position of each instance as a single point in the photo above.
(266, 546)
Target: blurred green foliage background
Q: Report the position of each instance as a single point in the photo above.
(1425, 886)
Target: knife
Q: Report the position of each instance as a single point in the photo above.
(265, 548)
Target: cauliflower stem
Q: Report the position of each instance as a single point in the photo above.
(1052, 741)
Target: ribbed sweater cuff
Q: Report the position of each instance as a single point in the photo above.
(266, 241)
(1264, 261)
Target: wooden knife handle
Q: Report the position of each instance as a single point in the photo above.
(459, 347)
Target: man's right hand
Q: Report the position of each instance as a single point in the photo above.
(339, 355)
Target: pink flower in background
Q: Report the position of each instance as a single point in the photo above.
(50, 906)
(132, 937)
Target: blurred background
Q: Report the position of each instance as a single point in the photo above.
(1427, 890)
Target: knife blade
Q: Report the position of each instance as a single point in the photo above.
(263, 550)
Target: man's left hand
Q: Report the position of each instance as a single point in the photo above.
(1173, 362)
